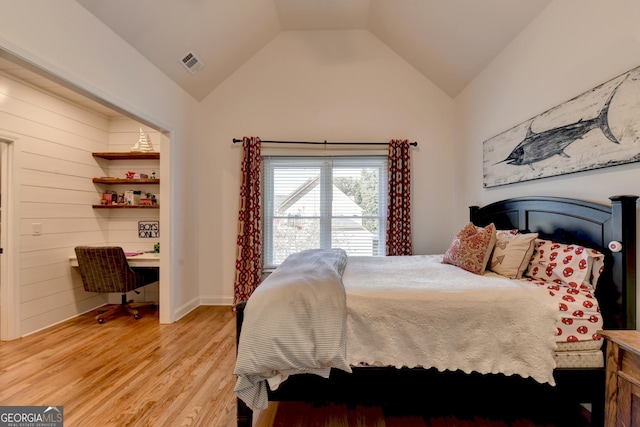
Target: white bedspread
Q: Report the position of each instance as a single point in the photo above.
(415, 311)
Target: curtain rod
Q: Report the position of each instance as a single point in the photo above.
(236, 140)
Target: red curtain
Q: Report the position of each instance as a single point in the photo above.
(249, 242)
(399, 203)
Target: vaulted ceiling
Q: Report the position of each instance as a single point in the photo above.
(449, 41)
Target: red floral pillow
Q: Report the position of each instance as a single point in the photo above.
(573, 265)
(471, 248)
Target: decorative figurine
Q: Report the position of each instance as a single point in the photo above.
(143, 144)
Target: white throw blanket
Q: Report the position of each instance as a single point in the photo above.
(415, 311)
(294, 322)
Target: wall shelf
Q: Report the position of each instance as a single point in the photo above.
(131, 155)
(126, 206)
(108, 180)
(124, 155)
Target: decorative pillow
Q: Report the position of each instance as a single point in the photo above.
(471, 248)
(573, 265)
(512, 253)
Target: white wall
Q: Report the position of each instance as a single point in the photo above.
(316, 86)
(573, 46)
(66, 40)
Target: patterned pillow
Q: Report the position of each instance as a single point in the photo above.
(573, 265)
(512, 253)
(471, 248)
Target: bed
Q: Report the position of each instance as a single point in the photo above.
(326, 371)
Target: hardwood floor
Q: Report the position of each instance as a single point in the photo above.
(129, 372)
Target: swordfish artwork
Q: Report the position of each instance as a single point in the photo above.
(594, 130)
(539, 146)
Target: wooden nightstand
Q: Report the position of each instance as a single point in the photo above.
(622, 404)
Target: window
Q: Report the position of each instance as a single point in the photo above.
(324, 202)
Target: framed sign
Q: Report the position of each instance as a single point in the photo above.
(148, 229)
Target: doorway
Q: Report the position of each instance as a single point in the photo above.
(21, 70)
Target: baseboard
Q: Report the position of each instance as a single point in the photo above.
(216, 300)
(186, 308)
(198, 301)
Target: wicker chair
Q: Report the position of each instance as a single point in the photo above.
(105, 269)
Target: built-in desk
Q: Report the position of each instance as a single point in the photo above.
(142, 260)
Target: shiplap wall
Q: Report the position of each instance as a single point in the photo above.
(53, 142)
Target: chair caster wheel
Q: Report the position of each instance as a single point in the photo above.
(136, 317)
(101, 321)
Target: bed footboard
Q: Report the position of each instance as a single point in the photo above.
(244, 414)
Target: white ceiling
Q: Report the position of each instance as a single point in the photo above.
(448, 41)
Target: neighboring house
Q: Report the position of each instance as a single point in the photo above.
(299, 209)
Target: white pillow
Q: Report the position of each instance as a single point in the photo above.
(512, 253)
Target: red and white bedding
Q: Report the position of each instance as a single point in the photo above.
(581, 318)
(578, 343)
(570, 274)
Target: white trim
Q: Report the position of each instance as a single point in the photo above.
(216, 300)
(9, 241)
(167, 313)
(187, 308)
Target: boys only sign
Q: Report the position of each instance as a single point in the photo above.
(148, 229)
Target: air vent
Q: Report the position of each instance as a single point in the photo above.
(192, 62)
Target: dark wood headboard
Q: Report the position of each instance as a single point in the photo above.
(588, 224)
